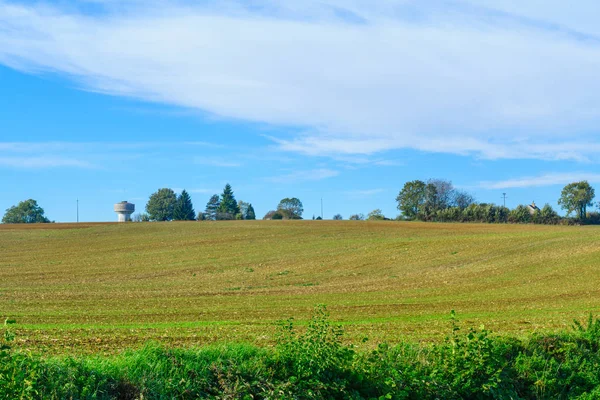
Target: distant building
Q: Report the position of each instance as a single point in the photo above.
(124, 210)
(533, 208)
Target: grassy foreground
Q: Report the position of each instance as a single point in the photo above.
(100, 288)
(317, 365)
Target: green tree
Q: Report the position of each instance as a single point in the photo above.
(375, 215)
(228, 207)
(161, 205)
(411, 198)
(431, 204)
(269, 214)
(576, 197)
(184, 209)
(356, 217)
(291, 208)
(244, 208)
(338, 217)
(250, 214)
(520, 214)
(548, 215)
(212, 207)
(26, 212)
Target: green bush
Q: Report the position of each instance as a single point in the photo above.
(314, 363)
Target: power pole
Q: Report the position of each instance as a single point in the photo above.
(321, 208)
(77, 210)
(504, 198)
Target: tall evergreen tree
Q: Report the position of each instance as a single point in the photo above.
(250, 214)
(212, 207)
(228, 208)
(184, 210)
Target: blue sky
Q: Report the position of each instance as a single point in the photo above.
(106, 100)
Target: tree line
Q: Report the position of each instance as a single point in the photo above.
(438, 200)
(434, 200)
(166, 205)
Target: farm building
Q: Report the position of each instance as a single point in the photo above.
(533, 208)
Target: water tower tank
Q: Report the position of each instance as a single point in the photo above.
(124, 210)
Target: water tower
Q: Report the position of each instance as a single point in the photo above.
(124, 210)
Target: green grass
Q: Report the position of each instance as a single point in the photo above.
(100, 288)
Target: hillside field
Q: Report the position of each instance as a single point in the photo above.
(99, 288)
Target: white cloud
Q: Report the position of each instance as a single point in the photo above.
(543, 180)
(302, 176)
(502, 81)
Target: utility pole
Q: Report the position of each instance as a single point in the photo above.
(77, 210)
(504, 198)
(321, 208)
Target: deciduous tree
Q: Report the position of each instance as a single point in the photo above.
(576, 197)
(462, 199)
(291, 208)
(376, 215)
(411, 198)
(26, 212)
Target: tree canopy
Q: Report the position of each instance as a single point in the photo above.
(418, 199)
(376, 215)
(411, 198)
(291, 208)
(161, 205)
(576, 197)
(26, 212)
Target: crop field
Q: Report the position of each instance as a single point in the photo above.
(99, 288)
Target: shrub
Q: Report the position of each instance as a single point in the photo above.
(316, 361)
(520, 215)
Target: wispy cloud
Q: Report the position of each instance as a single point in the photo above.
(85, 154)
(302, 176)
(493, 79)
(542, 180)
